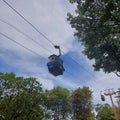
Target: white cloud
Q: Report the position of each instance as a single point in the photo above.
(46, 84)
(48, 16)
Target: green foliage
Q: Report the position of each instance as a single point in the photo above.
(23, 99)
(118, 101)
(104, 112)
(81, 103)
(97, 24)
(57, 102)
(92, 116)
(20, 98)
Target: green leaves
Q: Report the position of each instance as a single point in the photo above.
(81, 103)
(76, 105)
(57, 102)
(104, 112)
(21, 98)
(97, 25)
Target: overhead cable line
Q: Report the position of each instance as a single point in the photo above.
(80, 65)
(28, 21)
(18, 30)
(20, 44)
(6, 36)
(25, 35)
(27, 49)
(42, 34)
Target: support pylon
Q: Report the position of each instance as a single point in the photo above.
(110, 92)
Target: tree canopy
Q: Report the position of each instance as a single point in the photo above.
(97, 25)
(118, 102)
(24, 99)
(81, 100)
(58, 102)
(104, 112)
(20, 98)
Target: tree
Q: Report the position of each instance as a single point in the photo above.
(81, 100)
(104, 112)
(97, 24)
(118, 98)
(57, 102)
(118, 101)
(20, 98)
(92, 117)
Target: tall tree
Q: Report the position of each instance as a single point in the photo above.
(20, 98)
(118, 102)
(97, 24)
(118, 98)
(104, 112)
(81, 100)
(58, 103)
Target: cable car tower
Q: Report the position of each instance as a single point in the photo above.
(55, 64)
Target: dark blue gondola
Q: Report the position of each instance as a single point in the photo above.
(102, 96)
(55, 64)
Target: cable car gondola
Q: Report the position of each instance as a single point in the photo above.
(102, 96)
(55, 64)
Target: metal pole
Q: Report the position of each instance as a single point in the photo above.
(114, 109)
(110, 92)
(58, 47)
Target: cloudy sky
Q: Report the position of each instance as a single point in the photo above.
(25, 51)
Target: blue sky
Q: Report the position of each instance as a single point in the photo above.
(50, 17)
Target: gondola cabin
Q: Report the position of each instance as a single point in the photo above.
(55, 65)
(102, 98)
